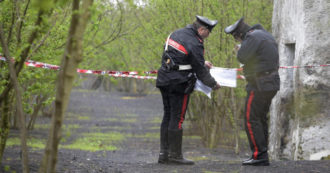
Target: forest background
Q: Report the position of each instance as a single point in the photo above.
(124, 35)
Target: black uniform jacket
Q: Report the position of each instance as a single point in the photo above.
(259, 54)
(185, 47)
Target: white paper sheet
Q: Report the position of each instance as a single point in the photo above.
(224, 76)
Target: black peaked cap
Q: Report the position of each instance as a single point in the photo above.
(231, 28)
(209, 24)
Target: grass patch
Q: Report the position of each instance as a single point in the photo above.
(96, 142)
(124, 120)
(109, 128)
(83, 118)
(192, 137)
(242, 135)
(211, 172)
(199, 158)
(42, 126)
(31, 142)
(128, 115)
(89, 142)
(7, 168)
(147, 135)
(156, 120)
(128, 120)
(47, 126)
(154, 128)
(80, 116)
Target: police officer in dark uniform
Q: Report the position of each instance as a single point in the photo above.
(182, 61)
(259, 55)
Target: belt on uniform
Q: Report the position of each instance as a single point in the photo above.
(184, 67)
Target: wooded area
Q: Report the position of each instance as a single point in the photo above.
(109, 35)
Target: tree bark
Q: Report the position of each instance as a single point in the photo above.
(40, 99)
(72, 57)
(4, 126)
(19, 107)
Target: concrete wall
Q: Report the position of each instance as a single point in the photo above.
(300, 113)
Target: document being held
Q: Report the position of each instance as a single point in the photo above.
(224, 76)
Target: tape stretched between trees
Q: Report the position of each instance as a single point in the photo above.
(134, 74)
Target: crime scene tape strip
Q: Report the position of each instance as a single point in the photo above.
(282, 67)
(125, 74)
(134, 74)
(305, 66)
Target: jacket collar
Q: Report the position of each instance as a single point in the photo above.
(194, 29)
(254, 27)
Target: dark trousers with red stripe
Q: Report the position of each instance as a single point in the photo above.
(175, 103)
(256, 121)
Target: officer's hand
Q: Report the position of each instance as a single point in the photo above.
(208, 64)
(217, 86)
(237, 47)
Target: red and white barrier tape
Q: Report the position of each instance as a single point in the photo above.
(134, 74)
(127, 74)
(305, 66)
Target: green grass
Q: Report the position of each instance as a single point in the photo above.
(156, 120)
(88, 142)
(7, 168)
(109, 128)
(47, 126)
(148, 135)
(199, 158)
(96, 142)
(31, 142)
(192, 137)
(124, 120)
(42, 126)
(83, 118)
(128, 115)
(211, 172)
(154, 128)
(242, 135)
(80, 116)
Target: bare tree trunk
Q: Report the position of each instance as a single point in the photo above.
(4, 126)
(36, 110)
(19, 107)
(72, 57)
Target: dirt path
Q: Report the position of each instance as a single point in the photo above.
(114, 132)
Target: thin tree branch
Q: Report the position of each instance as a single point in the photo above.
(13, 79)
(20, 25)
(44, 38)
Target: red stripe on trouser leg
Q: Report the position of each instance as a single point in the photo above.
(183, 110)
(248, 110)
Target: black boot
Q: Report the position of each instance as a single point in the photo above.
(262, 160)
(256, 162)
(175, 155)
(163, 154)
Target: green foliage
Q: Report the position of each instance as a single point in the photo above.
(44, 5)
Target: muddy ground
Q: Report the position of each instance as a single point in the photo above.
(119, 133)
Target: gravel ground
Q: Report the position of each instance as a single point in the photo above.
(131, 124)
